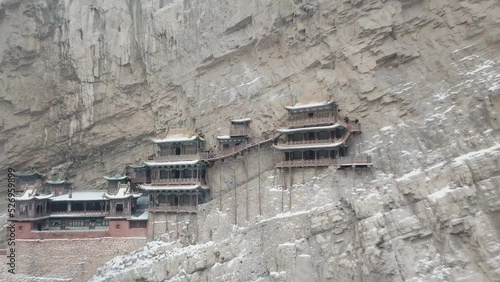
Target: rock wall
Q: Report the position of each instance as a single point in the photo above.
(84, 84)
(66, 259)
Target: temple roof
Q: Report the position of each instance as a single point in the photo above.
(81, 196)
(308, 106)
(304, 129)
(32, 172)
(227, 137)
(172, 163)
(139, 165)
(148, 187)
(308, 146)
(178, 136)
(117, 176)
(56, 182)
(140, 216)
(241, 121)
(30, 194)
(122, 193)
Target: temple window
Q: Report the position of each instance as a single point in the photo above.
(297, 137)
(322, 135)
(119, 208)
(296, 155)
(162, 198)
(39, 208)
(323, 154)
(163, 174)
(186, 173)
(309, 155)
(23, 209)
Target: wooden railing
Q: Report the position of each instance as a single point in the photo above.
(79, 212)
(169, 208)
(350, 125)
(355, 160)
(27, 215)
(224, 153)
(314, 120)
(342, 161)
(176, 181)
(316, 141)
(139, 180)
(183, 157)
(305, 163)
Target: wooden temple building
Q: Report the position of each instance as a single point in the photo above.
(317, 136)
(53, 210)
(174, 178)
(238, 135)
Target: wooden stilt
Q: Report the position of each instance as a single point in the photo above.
(235, 202)
(247, 216)
(283, 190)
(220, 187)
(290, 187)
(303, 181)
(153, 230)
(353, 176)
(260, 204)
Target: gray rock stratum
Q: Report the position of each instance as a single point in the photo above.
(85, 84)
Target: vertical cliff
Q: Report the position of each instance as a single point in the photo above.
(84, 84)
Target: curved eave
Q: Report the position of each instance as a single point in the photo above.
(113, 197)
(305, 129)
(241, 121)
(299, 107)
(28, 173)
(169, 187)
(20, 199)
(43, 197)
(137, 166)
(176, 140)
(58, 182)
(115, 178)
(175, 163)
(307, 146)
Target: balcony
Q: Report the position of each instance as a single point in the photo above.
(183, 157)
(305, 163)
(78, 213)
(170, 208)
(362, 161)
(139, 180)
(316, 141)
(26, 216)
(175, 181)
(317, 119)
(227, 152)
(350, 125)
(354, 161)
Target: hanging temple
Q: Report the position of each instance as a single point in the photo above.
(175, 179)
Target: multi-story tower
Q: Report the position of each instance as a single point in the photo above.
(174, 179)
(317, 136)
(238, 137)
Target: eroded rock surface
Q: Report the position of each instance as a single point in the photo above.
(84, 84)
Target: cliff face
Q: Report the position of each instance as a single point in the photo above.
(84, 84)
